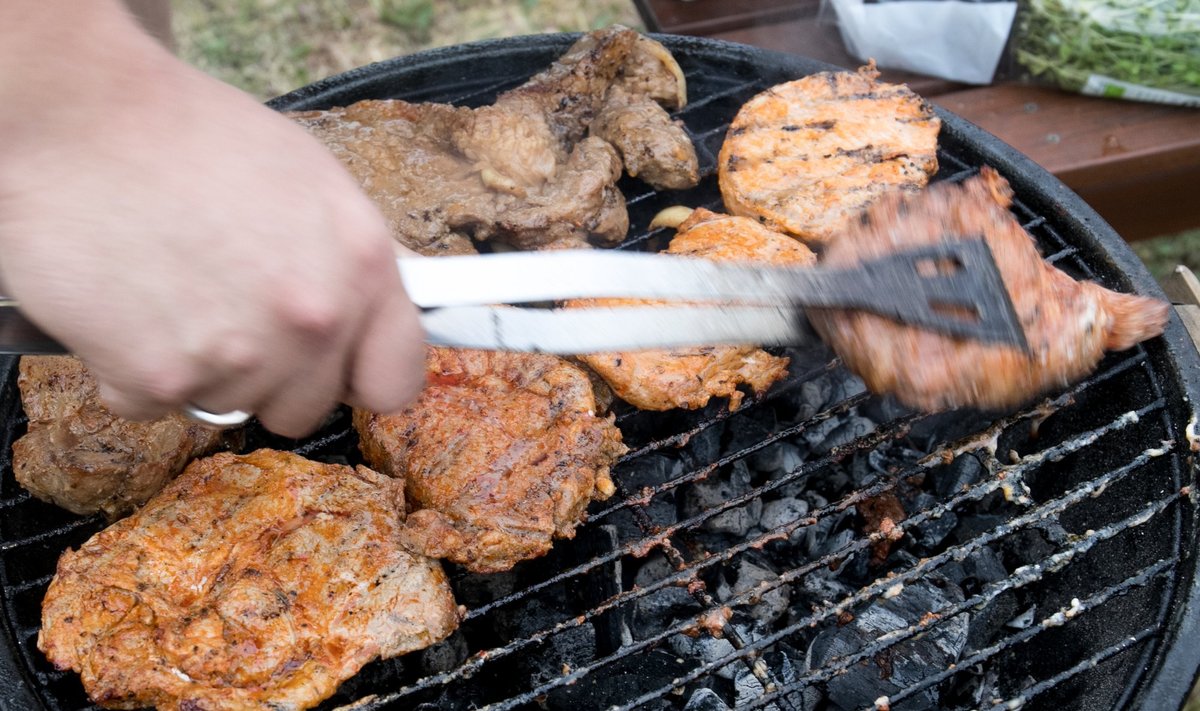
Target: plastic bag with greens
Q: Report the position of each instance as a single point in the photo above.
(1146, 50)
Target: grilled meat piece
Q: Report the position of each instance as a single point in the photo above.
(1068, 324)
(397, 151)
(79, 455)
(807, 156)
(501, 454)
(255, 581)
(634, 120)
(523, 170)
(689, 377)
(651, 146)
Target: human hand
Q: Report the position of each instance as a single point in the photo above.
(193, 246)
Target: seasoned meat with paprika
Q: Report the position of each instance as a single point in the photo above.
(806, 157)
(79, 455)
(501, 454)
(251, 582)
(690, 377)
(1068, 324)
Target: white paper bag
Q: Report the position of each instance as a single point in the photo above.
(960, 41)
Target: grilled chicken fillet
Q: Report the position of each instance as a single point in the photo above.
(1068, 324)
(501, 453)
(690, 377)
(251, 582)
(807, 156)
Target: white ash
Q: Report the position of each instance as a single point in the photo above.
(705, 649)
(705, 700)
(713, 492)
(654, 612)
(749, 576)
(781, 512)
(931, 532)
(1023, 620)
(845, 432)
(781, 458)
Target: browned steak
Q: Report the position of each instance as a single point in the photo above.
(81, 456)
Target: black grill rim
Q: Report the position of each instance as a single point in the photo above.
(1172, 667)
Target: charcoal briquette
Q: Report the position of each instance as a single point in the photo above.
(705, 700)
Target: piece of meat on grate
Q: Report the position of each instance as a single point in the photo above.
(523, 170)
(1068, 324)
(634, 120)
(79, 455)
(254, 581)
(690, 377)
(501, 453)
(807, 156)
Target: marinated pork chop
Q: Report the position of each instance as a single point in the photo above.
(807, 156)
(1068, 324)
(79, 455)
(523, 170)
(501, 453)
(689, 377)
(251, 582)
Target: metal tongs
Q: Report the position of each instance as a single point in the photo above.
(952, 287)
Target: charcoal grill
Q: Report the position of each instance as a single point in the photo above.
(820, 547)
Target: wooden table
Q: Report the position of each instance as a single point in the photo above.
(1137, 164)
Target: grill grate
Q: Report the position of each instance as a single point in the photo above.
(1095, 477)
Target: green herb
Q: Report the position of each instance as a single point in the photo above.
(1154, 43)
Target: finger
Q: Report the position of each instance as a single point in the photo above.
(301, 402)
(129, 405)
(388, 367)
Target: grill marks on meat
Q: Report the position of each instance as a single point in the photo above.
(690, 377)
(807, 156)
(501, 453)
(1068, 324)
(255, 581)
(524, 170)
(79, 455)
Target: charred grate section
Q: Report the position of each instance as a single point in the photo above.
(817, 548)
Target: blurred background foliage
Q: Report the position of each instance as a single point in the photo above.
(269, 47)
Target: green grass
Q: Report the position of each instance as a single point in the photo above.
(269, 47)
(1161, 254)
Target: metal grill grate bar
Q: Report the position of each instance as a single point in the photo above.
(1139, 579)
(1021, 577)
(1090, 663)
(979, 491)
(879, 587)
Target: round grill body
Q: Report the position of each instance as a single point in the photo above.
(1044, 558)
